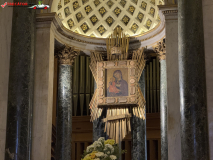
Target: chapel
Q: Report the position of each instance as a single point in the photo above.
(78, 76)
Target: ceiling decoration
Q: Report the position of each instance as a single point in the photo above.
(66, 1)
(85, 1)
(143, 5)
(110, 3)
(94, 19)
(131, 9)
(109, 21)
(123, 3)
(88, 9)
(84, 27)
(140, 17)
(98, 18)
(101, 30)
(134, 28)
(102, 11)
(79, 16)
(70, 23)
(125, 19)
(75, 5)
(97, 2)
(117, 11)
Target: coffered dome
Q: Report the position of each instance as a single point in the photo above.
(98, 18)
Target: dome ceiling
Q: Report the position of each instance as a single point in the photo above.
(98, 18)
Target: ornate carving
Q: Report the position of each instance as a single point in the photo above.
(101, 29)
(109, 20)
(125, 19)
(117, 11)
(170, 11)
(134, 28)
(67, 55)
(161, 50)
(131, 9)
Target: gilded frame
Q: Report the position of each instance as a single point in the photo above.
(131, 66)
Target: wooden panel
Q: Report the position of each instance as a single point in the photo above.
(159, 148)
(128, 148)
(79, 152)
(73, 150)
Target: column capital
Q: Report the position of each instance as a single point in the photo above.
(67, 55)
(161, 50)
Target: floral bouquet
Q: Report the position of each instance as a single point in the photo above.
(102, 150)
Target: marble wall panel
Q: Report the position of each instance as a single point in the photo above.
(5, 42)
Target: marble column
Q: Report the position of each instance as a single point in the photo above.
(139, 148)
(161, 49)
(20, 90)
(98, 125)
(208, 37)
(64, 110)
(193, 103)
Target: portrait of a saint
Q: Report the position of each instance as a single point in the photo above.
(117, 86)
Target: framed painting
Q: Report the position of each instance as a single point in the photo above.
(117, 82)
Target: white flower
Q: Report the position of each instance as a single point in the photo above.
(90, 148)
(97, 145)
(101, 139)
(108, 152)
(109, 147)
(99, 154)
(113, 157)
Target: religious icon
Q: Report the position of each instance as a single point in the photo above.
(117, 82)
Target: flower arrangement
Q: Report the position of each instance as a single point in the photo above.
(102, 150)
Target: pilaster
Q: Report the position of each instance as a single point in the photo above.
(170, 14)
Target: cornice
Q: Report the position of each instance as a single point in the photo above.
(170, 12)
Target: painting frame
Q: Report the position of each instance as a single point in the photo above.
(132, 81)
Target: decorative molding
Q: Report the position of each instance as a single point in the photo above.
(170, 11)
(67, 55)
(161, 50)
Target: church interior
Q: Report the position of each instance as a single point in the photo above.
(138, 72)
